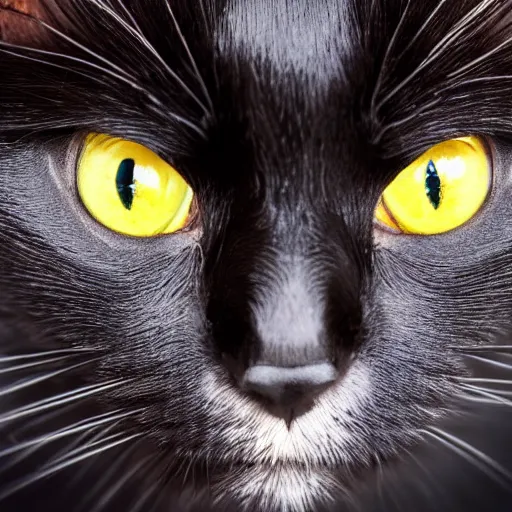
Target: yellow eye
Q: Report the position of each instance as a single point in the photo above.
(440, 191)
(129, 189)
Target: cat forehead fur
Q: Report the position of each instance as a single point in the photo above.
(288, 119)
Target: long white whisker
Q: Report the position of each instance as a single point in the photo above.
(105, 500)
(498, 364)
(484, 348)
(190, 56)
(79, 474)
(479, 80)
(477, 380)
(32, 423)
(43, 378)
(20, 457)
(470, 453)
(40, 355)
(63, 465)
(385, 60)
(87, 63)
(132, 19)
(477, 400)
(76, 428)
(58, 400)
(474, 62)
(132, 84)
(105, 477)
(154, 477)
(189, 467)
(205, 17)
(443, 44)
(80, 449)
(463, 454)
(423, 27)
(72, 446)
(16, 368)
(494, 394)
(75, 43)
(142, 39)
(406, 119)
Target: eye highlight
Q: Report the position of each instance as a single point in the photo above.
(440, 191)
(131, 190)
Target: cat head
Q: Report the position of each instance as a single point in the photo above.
(283, 337)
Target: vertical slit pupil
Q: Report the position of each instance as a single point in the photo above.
(433, 185)
(125, 183)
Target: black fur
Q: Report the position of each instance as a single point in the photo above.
(288, 118)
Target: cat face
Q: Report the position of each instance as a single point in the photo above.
(288, 122)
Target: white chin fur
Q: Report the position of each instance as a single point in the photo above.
(284, 489)
(318, 438)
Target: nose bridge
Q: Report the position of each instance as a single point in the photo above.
(289, 318)
(281, 331)
(292, 363)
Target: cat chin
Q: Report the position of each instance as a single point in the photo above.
(321, 437)
(279, 488)
(251, 460)
(269, 488)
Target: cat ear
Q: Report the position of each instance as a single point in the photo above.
(18, 29)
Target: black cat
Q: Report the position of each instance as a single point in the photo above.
(256, 255)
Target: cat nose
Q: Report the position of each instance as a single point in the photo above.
(289, 392)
